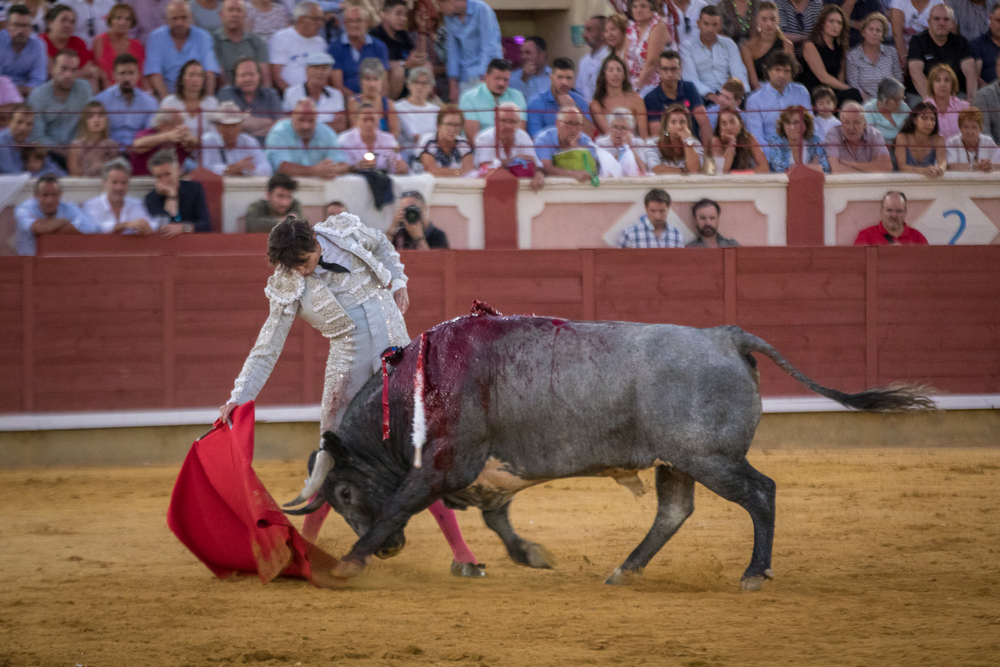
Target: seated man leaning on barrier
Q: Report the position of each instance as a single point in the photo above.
(706, 214)
(46, 214)
(854, 147)
(264, 214)
(179, 207)
(556, 143)
(113, 212)
(653, 230)
(227, 150)
(509, 147)
(299, 146)
(892, 228)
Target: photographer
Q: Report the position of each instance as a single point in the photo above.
(411, 228)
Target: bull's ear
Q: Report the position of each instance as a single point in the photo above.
(332, 444)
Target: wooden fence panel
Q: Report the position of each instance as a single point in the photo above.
(810, 305)
(171, 326)
(675, 286)
(100, 362)
(939, 318)
(12, 334)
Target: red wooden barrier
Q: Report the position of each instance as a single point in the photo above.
(142, 326)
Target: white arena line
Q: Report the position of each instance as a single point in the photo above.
(55, 421)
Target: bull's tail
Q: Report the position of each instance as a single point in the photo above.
(897, 397)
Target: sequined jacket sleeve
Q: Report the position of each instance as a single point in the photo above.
(264, 355)
(379, 245)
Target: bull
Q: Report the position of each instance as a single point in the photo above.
(512, 402)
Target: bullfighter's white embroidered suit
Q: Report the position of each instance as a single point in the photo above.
(355, 311)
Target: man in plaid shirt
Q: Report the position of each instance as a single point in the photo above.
(653, 230)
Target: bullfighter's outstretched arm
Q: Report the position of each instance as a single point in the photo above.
(264, 355)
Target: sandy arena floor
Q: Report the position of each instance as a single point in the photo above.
(885, 557)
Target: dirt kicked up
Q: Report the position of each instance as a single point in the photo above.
(882, 557)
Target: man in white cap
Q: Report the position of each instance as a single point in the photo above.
(329, 101)
(228, 150)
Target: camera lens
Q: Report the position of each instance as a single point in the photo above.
(412, 214)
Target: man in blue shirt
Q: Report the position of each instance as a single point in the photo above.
(566, 135)
(473, 41)
(15, 137)
(765, 105)
(353, 46)
(129, 109)
(45, 214)
(23, 57)
(172, 45)
(299, 146)
(673, 90)
(533, 76)
(542, 108)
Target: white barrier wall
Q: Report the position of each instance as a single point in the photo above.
(957, 209)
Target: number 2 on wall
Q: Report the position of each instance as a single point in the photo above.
(961, 224)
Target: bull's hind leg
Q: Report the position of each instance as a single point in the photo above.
(521, 551)
(741, 483)
(675, 495)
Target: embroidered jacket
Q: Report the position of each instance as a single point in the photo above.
(324, 300)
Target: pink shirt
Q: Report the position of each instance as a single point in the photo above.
(8, 92)
(386, 149)
(948, 121)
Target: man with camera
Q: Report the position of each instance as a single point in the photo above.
(411, 228)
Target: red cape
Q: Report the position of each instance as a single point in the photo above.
(221, 512)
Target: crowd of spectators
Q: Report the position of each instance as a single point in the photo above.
(320, 89)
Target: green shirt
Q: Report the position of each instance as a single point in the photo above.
(260, 220)
(478, 104)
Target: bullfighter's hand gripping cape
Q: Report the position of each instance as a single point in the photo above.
(221, 511)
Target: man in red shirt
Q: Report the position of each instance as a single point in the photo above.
(892, 229)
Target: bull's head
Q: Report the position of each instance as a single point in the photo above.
(352, 490)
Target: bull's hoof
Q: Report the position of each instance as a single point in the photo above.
(755, 583)
(622, 577)
(538, 557)
(468, 570)
(326, 579)
(347, 569)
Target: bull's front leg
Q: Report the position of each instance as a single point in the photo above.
(521, 551)
(412, 497)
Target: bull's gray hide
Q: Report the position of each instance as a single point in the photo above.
(516, 401)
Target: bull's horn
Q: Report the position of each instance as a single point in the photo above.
(308, 509)
(321, 467)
